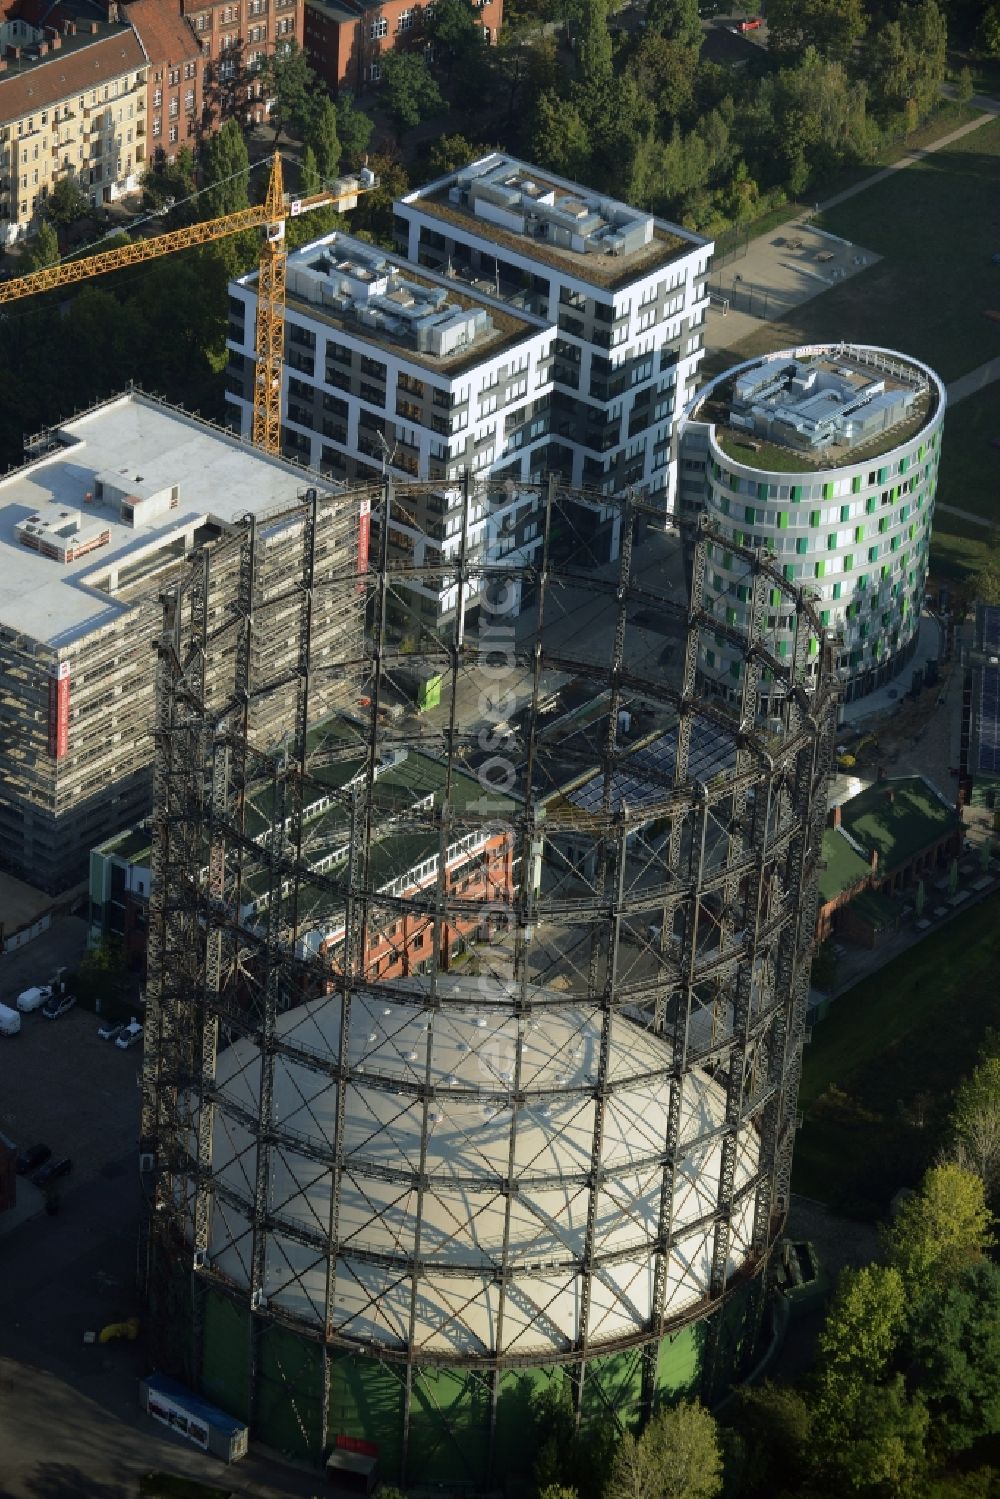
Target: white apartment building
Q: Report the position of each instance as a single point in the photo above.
(73, 104)
(624, 294)
(390, 369)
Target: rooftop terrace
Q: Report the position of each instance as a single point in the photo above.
(563, 225)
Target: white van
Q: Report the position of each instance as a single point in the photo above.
(33, 999)
(10, 1021)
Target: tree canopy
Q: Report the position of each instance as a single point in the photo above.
(943, 1227)
(410, 89)
(322, 138)
(288, 79)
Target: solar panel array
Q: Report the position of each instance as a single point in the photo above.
(988, 717)
(651, 770)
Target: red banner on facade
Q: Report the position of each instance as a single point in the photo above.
(356, 1444)
(364, 538)
(59, 711)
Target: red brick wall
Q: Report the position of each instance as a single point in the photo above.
(232, 34)
(343, 53)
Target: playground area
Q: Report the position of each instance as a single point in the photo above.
(771, 275)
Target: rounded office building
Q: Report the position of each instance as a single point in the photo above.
(475, 1004)
(827, 457)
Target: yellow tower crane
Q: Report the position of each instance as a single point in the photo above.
(270, 330)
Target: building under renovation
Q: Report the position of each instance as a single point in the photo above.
(109, 510)
(473, 1034)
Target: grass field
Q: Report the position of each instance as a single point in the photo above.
(879, 1074)
(936, 224)
(970, 466)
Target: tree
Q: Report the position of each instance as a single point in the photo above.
(676, 1457)
(665, 72)
(860, 1334)
(410, 89)
(288, 79)
(975, 1121)
(557, 1491)
(309, 179)
(776, 1425)
(561, 141)
(984, 586)
(354, 130)
(676, 21)
(42, 250)
(907, 61)
(593, 51)
(830, 26)
(954, 1344)
(989, 30)
(875, 1446)
(373, 215)
(323, 140)
(225, 165)
(941, 1228)
(67, 203)
(449, 152)
(102, 980)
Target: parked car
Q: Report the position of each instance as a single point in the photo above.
(110, 1030)
(58, 1005)
(10, 1021)
(131, 1034)
(34, 998)
(52, 1171)
(32, 1158)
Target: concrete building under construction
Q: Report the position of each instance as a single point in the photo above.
(109, 510)
(396, 1189)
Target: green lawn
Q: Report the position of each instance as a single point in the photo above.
(936, 224)
(970, 466)
(881, 1069)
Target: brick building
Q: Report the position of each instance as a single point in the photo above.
(886, 838)
(235, 37)
(175, 76)
(347, 39)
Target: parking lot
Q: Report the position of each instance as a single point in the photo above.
(61, 1084)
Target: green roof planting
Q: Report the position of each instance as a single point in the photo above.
(844, 867)
(898, 819)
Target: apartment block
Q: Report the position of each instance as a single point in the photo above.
(398, 370)
(826, 457)
(347, 39)
(73, 103)
(625, 295)
(93, 530)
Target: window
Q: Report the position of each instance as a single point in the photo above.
(157, 98)
(157, 125)
(201, 22)
(175, 107)
(175, 77)
(405, 20)
(374, 71)
(379, 27)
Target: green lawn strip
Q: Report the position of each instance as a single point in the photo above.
(174, 1486)
(969, 477)
(894, 1048)
(958, 548)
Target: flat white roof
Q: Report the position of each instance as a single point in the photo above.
(218, 477)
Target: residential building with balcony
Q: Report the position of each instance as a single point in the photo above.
(72, 104)
(346, 40)
(390, 369)
(624, 293)
(826, 457)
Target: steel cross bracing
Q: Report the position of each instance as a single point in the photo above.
(717, 982)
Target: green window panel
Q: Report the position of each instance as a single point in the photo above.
(885, 570)
(782, 520)
(724, 504)
(710, 657)
(920, 452)
(863, 630)
(859, 533)
(862, 582)
(796, 493)
(824, 616)
(883, 474)
(821, 569)
(849, 562)
(749, 514)
(894, 544)
(814, 516)
(762, 491)
(782, 647)
(837, 590)
(775, 597)
(802, 545)
(883, 524)
(730, 616)
(873, 554)
(828, 491)
(813, 645)
(856, 484)
(845, 512)
(870, 504)
(734, 670)
(741, 592)
(727, 561)
(831, 542)
(789, 572)
(904, 464)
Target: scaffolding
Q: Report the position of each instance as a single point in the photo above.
(473, 1033)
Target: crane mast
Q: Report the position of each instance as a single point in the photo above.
(270, 329)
